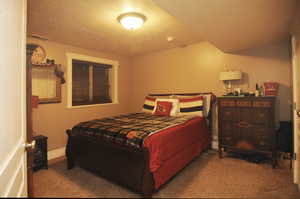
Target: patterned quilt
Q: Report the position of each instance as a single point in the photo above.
(130, 129)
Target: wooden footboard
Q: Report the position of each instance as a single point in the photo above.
(126, 166)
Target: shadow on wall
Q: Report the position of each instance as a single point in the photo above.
(245, 79)
(267, 51)
(283, 104)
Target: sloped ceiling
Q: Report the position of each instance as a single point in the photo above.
(235, 24)
(228, 24)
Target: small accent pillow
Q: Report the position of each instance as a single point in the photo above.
(191, 106)
(163, 108)
(149, 104)
(175, 105)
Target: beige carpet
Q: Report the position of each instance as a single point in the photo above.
(206, 177)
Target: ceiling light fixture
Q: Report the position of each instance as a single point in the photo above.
(170, 38)
(131, 20)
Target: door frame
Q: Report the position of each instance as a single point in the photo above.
(296, 88)
(29, 135)
(29, 127)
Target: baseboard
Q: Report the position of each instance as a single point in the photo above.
(55, 160)
(56, 153)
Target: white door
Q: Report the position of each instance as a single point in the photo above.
(13, 171)
(296, 98)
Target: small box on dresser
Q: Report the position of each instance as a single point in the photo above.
(247, 124)
(40, 153)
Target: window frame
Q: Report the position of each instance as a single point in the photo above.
(114, 76)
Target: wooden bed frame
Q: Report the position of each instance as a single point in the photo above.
(110, 160)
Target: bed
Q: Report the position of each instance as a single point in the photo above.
(141, 151)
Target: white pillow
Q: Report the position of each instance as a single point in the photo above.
(207, 101)
(175, 105)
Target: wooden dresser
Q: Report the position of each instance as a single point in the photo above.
(247, 124)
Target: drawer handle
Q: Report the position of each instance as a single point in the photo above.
(228, 113)
(262, 143)
(243, 124)
(261, 115)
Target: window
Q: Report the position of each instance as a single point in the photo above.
(92, 81)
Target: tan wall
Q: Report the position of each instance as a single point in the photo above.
(53, 119)
(191, 69)
(197, 67)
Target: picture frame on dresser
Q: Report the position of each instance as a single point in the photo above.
(247, 125)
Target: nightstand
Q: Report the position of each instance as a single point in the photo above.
(40, 154)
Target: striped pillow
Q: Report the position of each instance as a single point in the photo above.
(191, 106)
(149, 104)
(207, 100)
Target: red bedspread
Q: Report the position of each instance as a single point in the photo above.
(171, 149)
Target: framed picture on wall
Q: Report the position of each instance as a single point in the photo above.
(45, 84)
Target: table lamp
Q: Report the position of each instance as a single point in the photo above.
(228, 76)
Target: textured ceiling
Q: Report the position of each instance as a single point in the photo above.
(92, 24)
(228, 24)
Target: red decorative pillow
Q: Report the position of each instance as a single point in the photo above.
(163, 108)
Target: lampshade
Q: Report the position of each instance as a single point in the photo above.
(131, 20)
(34, 101)
(230, 75)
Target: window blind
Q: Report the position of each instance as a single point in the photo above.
(101, 85)
(90, 83)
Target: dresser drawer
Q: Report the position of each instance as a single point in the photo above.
(228, 114)
(244, 114)
(263, 144)
(262, 103)
(261, 130)
(227, 103)
(260, 115)
(244, 103)
(229, 133)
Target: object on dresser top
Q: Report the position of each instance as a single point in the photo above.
(40, 153)
(271, 88)
(246, 124)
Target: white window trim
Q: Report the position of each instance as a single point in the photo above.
(114, 91)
